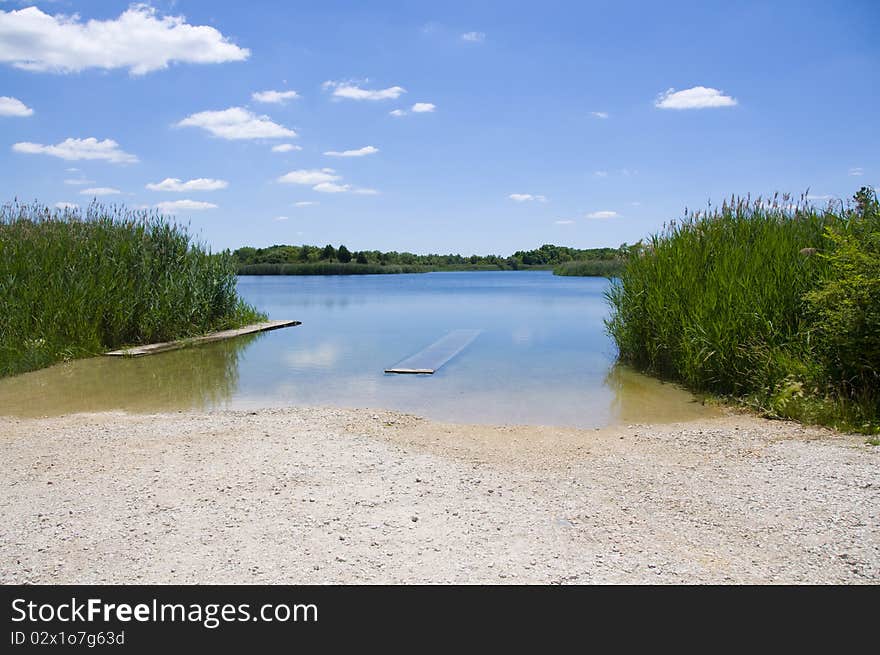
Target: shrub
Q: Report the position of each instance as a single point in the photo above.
(846, 306)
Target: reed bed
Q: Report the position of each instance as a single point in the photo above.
(76, 283)
(728, 301)
(591, 268)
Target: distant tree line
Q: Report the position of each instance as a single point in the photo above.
(547, 256)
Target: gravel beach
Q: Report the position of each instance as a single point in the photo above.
(318, 495)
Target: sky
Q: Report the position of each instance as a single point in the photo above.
(471, 127)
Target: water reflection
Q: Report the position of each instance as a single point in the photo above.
(322, 356)
(194, 378)
(637, 398)
(542, 356)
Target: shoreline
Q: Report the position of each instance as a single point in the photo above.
(322, 495)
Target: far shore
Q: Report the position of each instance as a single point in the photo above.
(322, 495)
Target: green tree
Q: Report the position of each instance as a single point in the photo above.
(343, 254)
(329, 252)
(361, 258)
(244, 255)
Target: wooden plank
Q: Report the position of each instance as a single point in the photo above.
(153, 348)
(429, 360)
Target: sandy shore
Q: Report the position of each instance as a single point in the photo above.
(331, 496)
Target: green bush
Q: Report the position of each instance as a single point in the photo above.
(846, 306)
(78, 283)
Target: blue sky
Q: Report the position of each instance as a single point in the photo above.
(548, 122)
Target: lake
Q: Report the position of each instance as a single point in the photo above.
(541, 356)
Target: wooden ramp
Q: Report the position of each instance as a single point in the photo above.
(437, 354)
(153, 348)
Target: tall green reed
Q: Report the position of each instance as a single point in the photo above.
(591, 268)
(739, 301)
(74, 283)
(717, 299)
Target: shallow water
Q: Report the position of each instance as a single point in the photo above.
(542, 356)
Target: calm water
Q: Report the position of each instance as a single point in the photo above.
(542, 356)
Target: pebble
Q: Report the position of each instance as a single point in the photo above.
(237, 497)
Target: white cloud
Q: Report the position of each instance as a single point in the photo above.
(398, 112)
(280, 218)
(819, 197)
(100, 191)
(237, 123)
(198, 184)
(526, 197)
(74, 149)
(423, 107)
(306, 203)
(603, 214)
(78, 181)
(66, 205)
(331, 187)
(310, 176)
(13, 107)
(565, 222)
(474, 37)
(351, 91)
(274, 97)
(599, 114)
(360, 152)
(857, 171)
(139, 39)
(624, 172)
(322, 180)
(698, 97)
(175, 206)
(285, 147)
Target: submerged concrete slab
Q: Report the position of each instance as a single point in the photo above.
(153, 348)
(437, 354)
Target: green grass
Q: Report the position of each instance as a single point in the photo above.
(591, 268)
(721, 301)
(74, 284)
